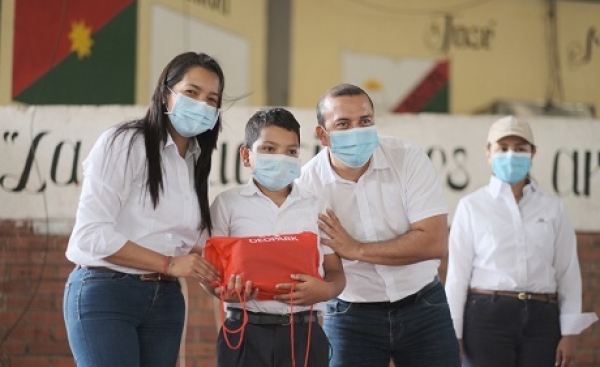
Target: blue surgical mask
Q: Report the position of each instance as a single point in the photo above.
(275, 171)
(355, 146)
(511, 167)
(190, 117)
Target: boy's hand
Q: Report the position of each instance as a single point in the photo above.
(307, 291)
(236, 292)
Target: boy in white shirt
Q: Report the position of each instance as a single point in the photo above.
(272, 204)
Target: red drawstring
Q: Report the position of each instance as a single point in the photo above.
(292, 331)
(242, 327)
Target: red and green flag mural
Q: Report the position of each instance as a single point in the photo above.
(401, 85)
(74, 51)
(430, 94)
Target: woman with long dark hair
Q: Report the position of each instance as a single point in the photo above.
(143, 206)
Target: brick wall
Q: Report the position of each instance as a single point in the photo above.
(37, 337)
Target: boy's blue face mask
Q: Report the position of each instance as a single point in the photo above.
(354, 147)
(511, 167)
(190, 117)
(275, 171)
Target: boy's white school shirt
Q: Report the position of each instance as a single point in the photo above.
(245, 211)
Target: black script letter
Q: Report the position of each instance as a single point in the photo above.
(588, 171)
(238, 167)
(54, 168)
(431, 154)
(439, 35)
(459, 156)
(27, 169)
(579, 55)
(223, 168)
(574, 158)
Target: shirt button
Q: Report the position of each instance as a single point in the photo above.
(169, 236)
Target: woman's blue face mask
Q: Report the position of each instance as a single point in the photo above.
(190, 117)
(511, 167)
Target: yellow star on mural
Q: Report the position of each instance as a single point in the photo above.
(373, 85)
(81, 40)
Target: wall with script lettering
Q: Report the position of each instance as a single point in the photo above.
(42, 149)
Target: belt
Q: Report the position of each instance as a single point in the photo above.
(150, 277)
(260, 318)
(523, 296)
(408, 300)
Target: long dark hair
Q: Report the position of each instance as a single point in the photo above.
(153, 127)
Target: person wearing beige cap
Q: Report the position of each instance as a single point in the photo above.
(513, 281)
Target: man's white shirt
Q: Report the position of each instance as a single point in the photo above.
(399, 187)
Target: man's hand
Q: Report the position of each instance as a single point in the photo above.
(339, 240)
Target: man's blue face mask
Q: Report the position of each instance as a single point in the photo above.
(511, 167)
(354, 147)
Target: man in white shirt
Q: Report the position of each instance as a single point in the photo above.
(513, 283)
(389, 224)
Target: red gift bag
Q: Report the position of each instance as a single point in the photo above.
(265, 260)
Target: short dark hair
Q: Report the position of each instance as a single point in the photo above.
(339, 91)
(271, 116)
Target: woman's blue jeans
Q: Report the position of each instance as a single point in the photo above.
(419, 334)
(117, 320)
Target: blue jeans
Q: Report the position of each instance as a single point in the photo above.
(419, 334)
(501, 332)
(117, 320)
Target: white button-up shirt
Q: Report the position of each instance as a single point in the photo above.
(399, 187)
(499, 244)
(115, 205)
(245, 211)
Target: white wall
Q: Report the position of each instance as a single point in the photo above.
(58, 138)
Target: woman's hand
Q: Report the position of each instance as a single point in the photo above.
(195, 267)
(565, 352)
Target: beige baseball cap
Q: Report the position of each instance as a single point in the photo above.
(510, 126)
